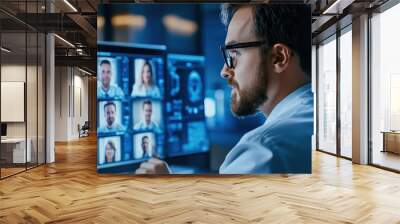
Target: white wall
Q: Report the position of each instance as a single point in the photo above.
(33, 127)
(61, 103)
(70, 83)
(12, 73)
(79, 117)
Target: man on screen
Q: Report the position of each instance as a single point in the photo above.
(146, 123)
(146, 147)
(267, 55)
(110, 113)
(104, 87)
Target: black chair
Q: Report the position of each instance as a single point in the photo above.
(84, 130)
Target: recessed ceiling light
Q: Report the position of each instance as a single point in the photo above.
(84, 71)
(5, 50)
(70, 5)
(65, 41)
(337, 7)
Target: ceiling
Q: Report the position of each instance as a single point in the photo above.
(76, 24)
(75, 21)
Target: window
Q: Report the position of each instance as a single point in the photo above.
(327, 96)
(346, 92)
(385, 88)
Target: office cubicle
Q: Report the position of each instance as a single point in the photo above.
(22, 90)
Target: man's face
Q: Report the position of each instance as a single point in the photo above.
(146, 75)
(248, 78)
(145, 143)
(106, 75)
(110, 114)
(148, 110)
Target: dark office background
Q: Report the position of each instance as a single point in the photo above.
(206, 35)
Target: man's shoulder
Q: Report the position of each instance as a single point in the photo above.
(119, 126)
(295, 125)
(138, 125)
(281, 145)
(115, 87)
(300, 116)
(99, 88)
(102, 129)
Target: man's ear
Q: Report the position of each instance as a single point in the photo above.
(280, 57)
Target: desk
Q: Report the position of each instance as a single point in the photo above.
(391, 141)
(13, 150)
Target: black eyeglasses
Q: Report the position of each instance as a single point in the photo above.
(229, 58)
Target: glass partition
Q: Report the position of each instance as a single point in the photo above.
(13, 92)
(327, 95)
(22, 89)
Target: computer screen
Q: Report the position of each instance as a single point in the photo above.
(186, 126)
(130, 99)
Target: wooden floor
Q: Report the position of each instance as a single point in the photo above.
(10, 171)
(70, 191)
(5, 172)
(387, 159)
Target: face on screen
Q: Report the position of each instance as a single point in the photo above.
(145, 143)
(109, 149)
(110, 113)
(110, 152)
(147, 111)
(147, 75)
(110, 117)
(105, 71)
(147, 115)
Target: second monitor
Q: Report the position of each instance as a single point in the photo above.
(186, 126)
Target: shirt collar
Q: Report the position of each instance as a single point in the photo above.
(288, 103)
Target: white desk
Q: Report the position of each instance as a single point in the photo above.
(18, 149)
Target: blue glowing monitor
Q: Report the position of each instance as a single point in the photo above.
(130, 100)
(186, 125)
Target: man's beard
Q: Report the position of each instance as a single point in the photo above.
(250, 99)
(110, 122)
(105, 84)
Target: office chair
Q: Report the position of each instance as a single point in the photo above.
(84, 130)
